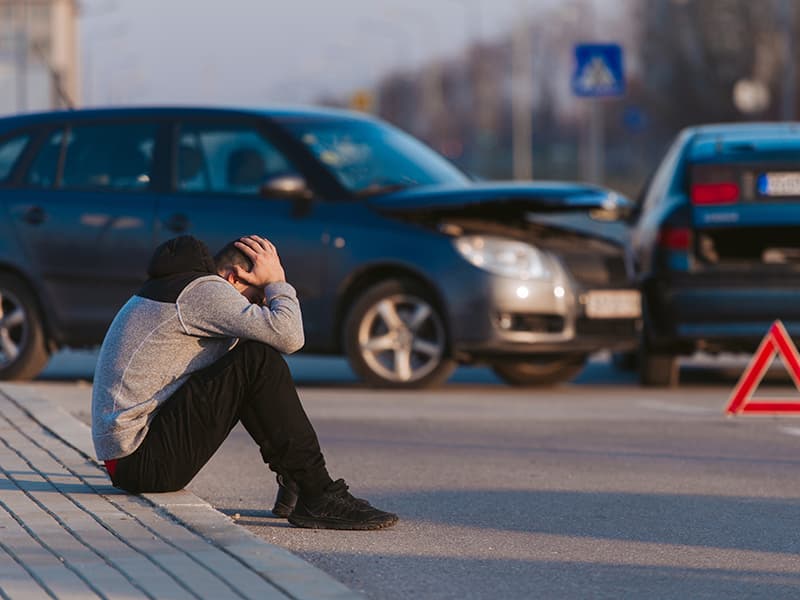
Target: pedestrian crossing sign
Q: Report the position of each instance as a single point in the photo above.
(598, 71)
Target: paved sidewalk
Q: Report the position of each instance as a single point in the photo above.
(65, 532)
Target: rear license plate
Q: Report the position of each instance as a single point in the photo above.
(786, 183)
(613, 304)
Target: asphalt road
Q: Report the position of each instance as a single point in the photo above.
(597, 489)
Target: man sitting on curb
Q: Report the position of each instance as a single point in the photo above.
(193, 353)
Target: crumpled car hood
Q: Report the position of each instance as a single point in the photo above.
(501, 197)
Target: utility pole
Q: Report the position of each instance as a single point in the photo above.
(521, 97)
(21, 43)
(789, 98)
(596, 143)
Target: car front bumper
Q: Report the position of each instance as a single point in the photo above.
(492, 316)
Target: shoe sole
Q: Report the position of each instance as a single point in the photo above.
(282, 510)
(315, 523)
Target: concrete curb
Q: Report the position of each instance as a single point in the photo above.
(294, 576)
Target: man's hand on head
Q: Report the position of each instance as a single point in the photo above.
(266, 262)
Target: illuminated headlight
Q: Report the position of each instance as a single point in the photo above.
(503, 256)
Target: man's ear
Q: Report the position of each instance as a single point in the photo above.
(229, 275)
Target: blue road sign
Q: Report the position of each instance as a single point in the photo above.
(598, 71)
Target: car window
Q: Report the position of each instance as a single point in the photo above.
(108, 156)
(227, 160)
(10, 151)
(663, 176)
(44, 169)
(371, 158)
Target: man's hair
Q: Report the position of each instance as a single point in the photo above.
(231, 256)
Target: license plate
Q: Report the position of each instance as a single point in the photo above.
(779, 184)
(613, 304)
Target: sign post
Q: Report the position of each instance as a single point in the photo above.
(598, 74)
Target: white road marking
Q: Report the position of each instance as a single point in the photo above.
(674, 407)
(790, 430)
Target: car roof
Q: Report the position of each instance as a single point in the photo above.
(741, 141)
(277, 113)
(748, 128)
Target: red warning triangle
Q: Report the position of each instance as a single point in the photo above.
(776, 341)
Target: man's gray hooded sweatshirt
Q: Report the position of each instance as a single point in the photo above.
(183, 319)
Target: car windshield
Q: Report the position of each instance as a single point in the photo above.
(370, 158)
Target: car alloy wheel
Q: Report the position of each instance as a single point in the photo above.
(395, 337)
(14, 330)
(23, 352)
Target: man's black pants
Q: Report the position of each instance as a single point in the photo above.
(251, 384)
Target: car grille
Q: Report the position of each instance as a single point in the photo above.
(531, 323)
(594, 270)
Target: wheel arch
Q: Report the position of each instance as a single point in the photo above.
(364, 279)
(50, 331)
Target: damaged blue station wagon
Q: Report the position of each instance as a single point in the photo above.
(401, 262)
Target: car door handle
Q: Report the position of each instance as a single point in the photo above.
(177, 223)
(35, 215)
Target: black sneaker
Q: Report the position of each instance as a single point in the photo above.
(286, 497)
(336, 508)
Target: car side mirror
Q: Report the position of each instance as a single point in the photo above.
(291, 187)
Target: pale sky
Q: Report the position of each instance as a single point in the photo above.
(273, 51)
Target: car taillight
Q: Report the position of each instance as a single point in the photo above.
(714, 193)
(675, 238)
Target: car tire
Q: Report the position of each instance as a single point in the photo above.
(658, 369)
(395, 337)
(23, 346)
(540, 372)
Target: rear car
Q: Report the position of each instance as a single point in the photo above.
(717, 244)
(401, 262)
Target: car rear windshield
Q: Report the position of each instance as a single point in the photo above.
(370, 158)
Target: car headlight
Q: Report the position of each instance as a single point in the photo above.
(503, 256)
